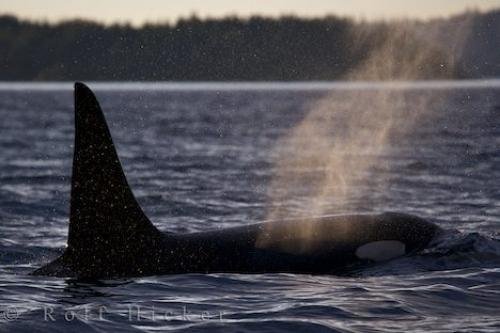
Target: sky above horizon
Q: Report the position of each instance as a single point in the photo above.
(139, 12)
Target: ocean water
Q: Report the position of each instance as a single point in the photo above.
(202, 156)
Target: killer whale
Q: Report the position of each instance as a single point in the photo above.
(109, 235)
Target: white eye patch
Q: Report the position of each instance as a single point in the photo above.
(381, 250)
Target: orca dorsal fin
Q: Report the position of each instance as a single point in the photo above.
(107, 225)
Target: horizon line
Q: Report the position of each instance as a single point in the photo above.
(250, 85)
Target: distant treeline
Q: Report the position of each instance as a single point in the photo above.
(286, 48)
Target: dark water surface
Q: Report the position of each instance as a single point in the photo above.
(200, 157)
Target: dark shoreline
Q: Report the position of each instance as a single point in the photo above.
(253, 49)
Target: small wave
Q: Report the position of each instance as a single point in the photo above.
(459, 250)
(17, 255)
